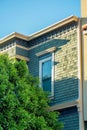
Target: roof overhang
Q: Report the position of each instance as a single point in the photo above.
(54, 26)
(41, 32)
(13, 35)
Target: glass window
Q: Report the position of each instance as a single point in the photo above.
(45, 74)
(46, 69)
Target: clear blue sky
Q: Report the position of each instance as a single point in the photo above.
(30, 16)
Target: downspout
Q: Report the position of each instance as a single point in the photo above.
(80, 79)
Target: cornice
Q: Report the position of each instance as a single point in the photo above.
(13, 35)
(41, 32)
(50, 50)
(54, 26)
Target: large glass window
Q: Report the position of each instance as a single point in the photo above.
(46, 74)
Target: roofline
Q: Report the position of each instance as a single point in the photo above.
(54, 26)
(39, 33)
(14, 35)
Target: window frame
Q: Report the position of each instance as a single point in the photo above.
(52, 72)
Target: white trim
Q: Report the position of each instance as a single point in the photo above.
(53, 73)
(64, 105)
(22, 47)
(13, 35)
(41, 32)
(50, 50)
(20, 57)
(54, 26)
(40, 72)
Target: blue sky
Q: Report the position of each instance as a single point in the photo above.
(30, 16)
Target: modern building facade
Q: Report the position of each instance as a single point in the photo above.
(57, 55)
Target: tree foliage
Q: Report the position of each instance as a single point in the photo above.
(23, 105)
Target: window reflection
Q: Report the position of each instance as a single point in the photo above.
(46, 75)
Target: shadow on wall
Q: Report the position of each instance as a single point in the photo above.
(54, 42)
(66, 67)
(70, 118)
(34, 60)
(65, 87)
(65, 90)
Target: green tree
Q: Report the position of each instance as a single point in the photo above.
(23, 105)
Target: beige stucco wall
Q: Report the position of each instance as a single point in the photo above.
(83, 8)
(85, 55)
(85, 75)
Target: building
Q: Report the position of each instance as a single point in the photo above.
(57, 55)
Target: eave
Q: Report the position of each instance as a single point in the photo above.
(41, 32)
(54, 26)
(14, 35)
